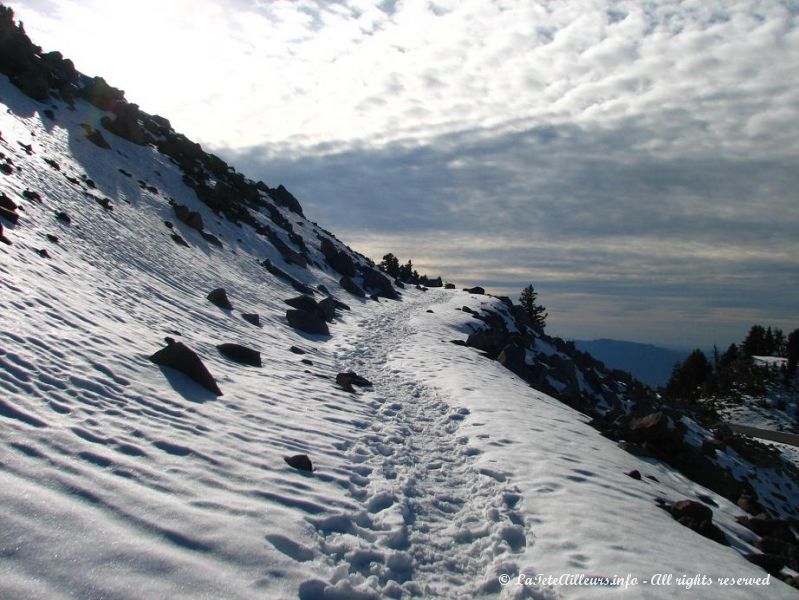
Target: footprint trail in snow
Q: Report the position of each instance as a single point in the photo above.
(431, 522)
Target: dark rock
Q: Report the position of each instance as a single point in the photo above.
(7, 203)
(698, 517)
(179, 240)
(63, 217)
(771, 563)
(635, 474)
(252, 318)
(297, 350)
(105, 203)
(300, 462)
(34, 84)
(125, 173)
(180, 357)
(29, 194)
(211, 239)
(771, 545)
(3, 238)
(692, 509)
(512, 357)
(284, 198)
(43, 253)
(449, 286)
(102, 95)
(191, 218)
(309, 322)
(430, 310)
(219, 298)
(475, 290)
(327, 306)
(278, 272)
(776, 528)
(353, 378)
(353, 288)
(9, 215)
(374, 279)
(458, 342)
(126, 124)
(306, 303)
(95, 137)
(652, 427)
(340, 260)
(169, 225)
(240, 354)
(307, 361)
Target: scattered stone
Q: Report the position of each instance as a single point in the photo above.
(300, 462)
(9, 215)
(180, 357)
(475, 290)
(27, 148)
(43, 253)
(7, 203)
(219, 298)
(125, 173)
(635, 474)
(309, 322)
(353, 378)
(105, 203)
(3, 238)
(211, 239)
(698, 517)
(53, 164)
(179, 240)
(429, 310)
(307, 361)
(771, 563)
(297, 350)
(52, 238)
(240, 354)
(252, 318)
(7, 169)
(29, 194)
(304, 302)
(191, 218)
(169, 225)
(95, 136)
(63, 217)
(353, 288)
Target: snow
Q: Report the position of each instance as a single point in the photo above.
(123, 480)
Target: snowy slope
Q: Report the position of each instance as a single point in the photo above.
(121, 479)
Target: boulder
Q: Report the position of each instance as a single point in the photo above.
(374, 279)
(191, 218)
(33, 83)
(353, 288)
(9, 215)
(635, 474)
(102, 95)
(340, 260)
(309, 322)
(179, 240)
(512, 357)
(449, 286)
(211, 239)
(252, 318)
(306, 303)
(126, 124)
(219, 298)
(328, 307)
(297, 350)
(347, 380)
(300, 462)
(698, 517)
(240, 354)
(178, 356)
(475, 290)
(771, 563)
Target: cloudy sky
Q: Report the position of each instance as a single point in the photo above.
(637, 161)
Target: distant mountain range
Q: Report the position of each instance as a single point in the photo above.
(650, 364)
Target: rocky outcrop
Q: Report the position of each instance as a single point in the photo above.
(375, 280)
(219, 298)
(240, 354)
(178, 356)
(340, 260)
(284, 198)
(353, 288)
(309, 322)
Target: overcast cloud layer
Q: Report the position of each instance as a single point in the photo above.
(637, 161)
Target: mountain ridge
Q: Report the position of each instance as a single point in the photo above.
(453, 466)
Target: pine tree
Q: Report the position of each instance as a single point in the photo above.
(536, 312)
(390, 265)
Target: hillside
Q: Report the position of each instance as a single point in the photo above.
(318, 431)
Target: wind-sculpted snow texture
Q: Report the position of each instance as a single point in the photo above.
(124, 479)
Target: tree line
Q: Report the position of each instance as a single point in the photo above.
(734, 370)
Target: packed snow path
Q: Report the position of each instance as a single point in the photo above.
(428, 518)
